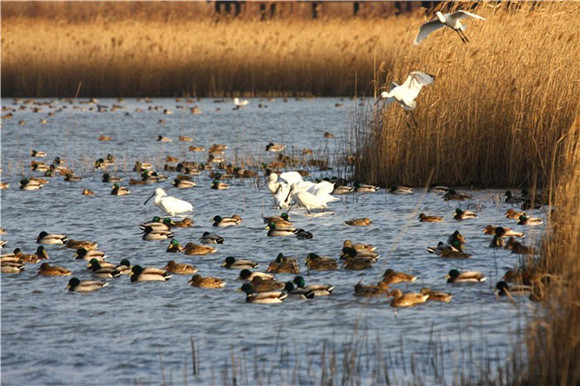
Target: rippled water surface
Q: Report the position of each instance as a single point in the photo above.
(127, 332)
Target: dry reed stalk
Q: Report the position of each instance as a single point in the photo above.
(50, 57)
(497, 111)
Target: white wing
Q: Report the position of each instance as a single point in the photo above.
(463, 14)
(291, 177)
(322, 188)
(426, 29)
(415, 81)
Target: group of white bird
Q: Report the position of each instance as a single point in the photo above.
(406, 93)
(290, 189)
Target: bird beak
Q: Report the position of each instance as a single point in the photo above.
(447, 277)
(224, 264)
(150, 197)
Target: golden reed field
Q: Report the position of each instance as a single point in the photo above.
(503, 110)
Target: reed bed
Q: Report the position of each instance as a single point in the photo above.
(498, 111)
(110, 57)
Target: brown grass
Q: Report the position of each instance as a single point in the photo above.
(498, 112)
(140, 57)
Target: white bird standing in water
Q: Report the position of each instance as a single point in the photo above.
(451, 20)
(406, 93)
(168, 204)
(240, 103)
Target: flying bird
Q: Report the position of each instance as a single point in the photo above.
(451, 20)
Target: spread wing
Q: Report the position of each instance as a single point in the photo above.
(415, 81)
(463, 14)
(426, 29)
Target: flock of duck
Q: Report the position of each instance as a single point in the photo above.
(289, 190)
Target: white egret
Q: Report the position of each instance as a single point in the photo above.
(168, 204)
(406, 93)
(451, 20)
(240, 103)
(308, 200)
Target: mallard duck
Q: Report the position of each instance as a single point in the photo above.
(425, 218)
(461, 214)
(525, 220)
(76, 244)
(436, 295)
(407, 300)
(51, 239)
(70, 177)
(528, 277)
(275, 147)
(76, 285)
(109, 179)
(342, 189)
(139, 273)
(365, 188)
(124, 267)
(105, 138)
(529, 204)
(510, 199)
(174, 247)
(451, 194)
(455, 276)
(298, 293)
(456, 240)
(393, 277)
(161, 138)
(357, 263)
(263, 297)
(359, 246)
(301, 234)
(261, 284)
(119, 190)
(274, 231)
(444, 250)
(12, 267)
(46, 269)
(516, 290)
(218, 185)
(283, 220)
(197, 249)
(183, 184)
(246, 274)
(185, 223)
(507, 232)
(513, 215)
(283, 264)
(517, 247)
(348, 253)
(211, 238)
(233, 263)
(102, 272)
(84, 254)
(360, 222)
(206, 282)
(35, 258)
(496, 242)
(37, 153)
(318, 289)
(440, 189)
(150, 234)
(180, 268)
(219, 221)
(183, 138)
(157, 224)
(400, 190)
(371, 289)
(318, 263)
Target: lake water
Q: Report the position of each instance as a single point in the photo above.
(135, 333)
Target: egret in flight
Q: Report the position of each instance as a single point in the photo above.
(168, 204)
(406, 93)
(451, 20)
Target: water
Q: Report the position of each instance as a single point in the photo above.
(127, 332)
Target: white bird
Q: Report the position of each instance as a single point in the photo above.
(451, 20)
(168, 204)
(308, 200)
(240, 103)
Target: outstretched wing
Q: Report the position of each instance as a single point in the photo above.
(426, 29)
(415, 81)
(463, 14)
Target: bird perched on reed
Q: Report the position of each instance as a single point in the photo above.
(451, 20)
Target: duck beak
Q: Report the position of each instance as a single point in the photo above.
(150, 197)
(447, 277)
(224, 264)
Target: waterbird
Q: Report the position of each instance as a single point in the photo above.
(274, 231)
(46, 269)
(102, 272)
(507, 232)
(77, 285)
(318, 289)
(240, 103)
(272, 297)
(183, 184)
(511, 199)
(233, 263)
(169, 204)
(364, 188)
(371, 289)
(451, 194)
(525, 220)
(400, 190)
(360, 222)
(408, 299)
(298, 293)
(12, 267)
(503, 289)
(119, 190)
(424, 218)
(31, 258)
(451, 20)
(261, 284)
(219, 221)
(393, 277)
(283, 264)
(174, 247)
(320, 263)
(275, 147)
(206, 282)
(517, 247)
(406, 93)
(51, 239)
(86, 254)
(301, 234)
(512, 214)
(455, 276)
(157, 224)
(180, 268)
(246, 274)
(444, 250)
(211, 238)
(359, 246)
(436, 295)
(150, 234)
(138, 273)
(461, 214)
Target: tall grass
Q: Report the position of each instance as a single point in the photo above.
(110, 57)
(498, 111)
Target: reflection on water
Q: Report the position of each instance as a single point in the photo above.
(128, 332)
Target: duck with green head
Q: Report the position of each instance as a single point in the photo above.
(85, 286)
(84, 254)
(138, 273)
(298, 293)
(364, 188)
(318, 289)
(109, 179)
(451, 194)
(149, 234)
(455, 276)
(174, 247)
(246, 274)
(274, 231)
(219, 221)
(524, 219)
(51, 239)
(273, 297)
(233, 263)
(461, 214)
(319, 263)
(283, 264)
(102, 272)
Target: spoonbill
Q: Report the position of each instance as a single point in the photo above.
(451, 20)
(169, 204)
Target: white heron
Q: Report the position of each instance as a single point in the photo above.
(240, 103)
(451, 20)
(308, 200)
(406, 93)
(168, 204)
